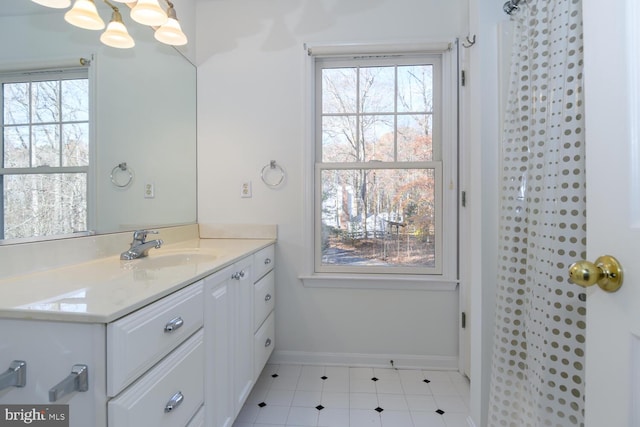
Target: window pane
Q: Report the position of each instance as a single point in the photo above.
(415, 138)
(46, 99)
(46, 145)
(377, 89)
(75, 144)
(75, 100)
(44, 205)
(339, 89)
(339, 139)
(377, 132)
(16, 103)
(378, 217)
(415, 88)
(16, 147)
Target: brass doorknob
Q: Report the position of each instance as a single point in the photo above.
(606, 272)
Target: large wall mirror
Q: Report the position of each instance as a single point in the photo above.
(144, 116)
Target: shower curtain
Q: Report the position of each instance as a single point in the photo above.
(538, 358)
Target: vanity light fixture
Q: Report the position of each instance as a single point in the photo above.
(84, 14)
(170, 32)
(116, 34)
(148, 12)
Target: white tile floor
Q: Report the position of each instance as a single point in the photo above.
(327, 396)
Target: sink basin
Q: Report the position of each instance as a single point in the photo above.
(162, 258)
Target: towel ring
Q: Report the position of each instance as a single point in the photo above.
(122, 167)
(268, 179)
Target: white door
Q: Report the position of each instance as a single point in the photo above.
(612, 64)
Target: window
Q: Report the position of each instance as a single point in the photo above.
(44, 153)
(382, 151)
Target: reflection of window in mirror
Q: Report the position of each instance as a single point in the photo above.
(45, 149)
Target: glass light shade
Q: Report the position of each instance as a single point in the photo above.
(56, 4)
(116, 34)
(148, 12)
(84, 14)
(171, 33)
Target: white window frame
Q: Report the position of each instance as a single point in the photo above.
(60, 70)
(445, 275)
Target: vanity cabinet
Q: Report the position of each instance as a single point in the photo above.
(189, 358)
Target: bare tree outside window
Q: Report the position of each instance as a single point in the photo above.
(45, 155)
(379, 171)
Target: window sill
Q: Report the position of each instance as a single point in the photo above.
(378, 281)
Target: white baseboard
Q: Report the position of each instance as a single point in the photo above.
(401, 361)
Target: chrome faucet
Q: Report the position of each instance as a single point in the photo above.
(139, 246)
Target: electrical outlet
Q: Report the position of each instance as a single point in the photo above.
(149, 190)
(245, 190)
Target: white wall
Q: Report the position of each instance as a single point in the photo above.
(251, 80)
(145, 109)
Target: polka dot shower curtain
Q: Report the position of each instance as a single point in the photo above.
(538, 359)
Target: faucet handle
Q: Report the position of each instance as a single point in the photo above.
(141, 235)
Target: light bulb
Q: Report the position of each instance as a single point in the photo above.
(116, 34)
(170, 33)
(56, 4)
(84, 14)
(148, 12)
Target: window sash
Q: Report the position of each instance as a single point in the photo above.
(438, 228)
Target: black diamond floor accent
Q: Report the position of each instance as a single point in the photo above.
(319, 407)
(274, 376)
(379, 409)
(440, 411)
(426, 381)
(324, 377)
(262, 404)
(374, 379)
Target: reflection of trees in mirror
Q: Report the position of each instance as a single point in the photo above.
(46, 154)
(372, 117)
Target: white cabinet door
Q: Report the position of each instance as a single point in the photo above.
(218, 308)
(242, 285)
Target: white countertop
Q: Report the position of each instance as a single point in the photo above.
(106, 289)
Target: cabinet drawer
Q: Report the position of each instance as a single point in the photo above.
(136, 342)
(263, 261)
(176, 381)
(264, 342)
(263, 299)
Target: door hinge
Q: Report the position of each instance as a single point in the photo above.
(463, 78)
(463, 199)
(463, 320)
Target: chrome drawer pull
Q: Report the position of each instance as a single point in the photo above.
(267, 342)
(174, 402)
(267, 298)
(174, 324)
(267, 261)
(15, 376)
